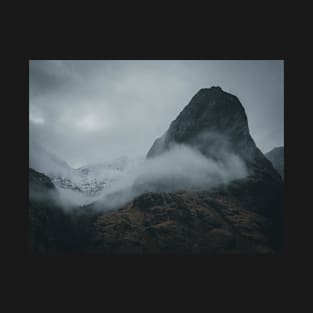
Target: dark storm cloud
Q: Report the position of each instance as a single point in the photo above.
(91, 111)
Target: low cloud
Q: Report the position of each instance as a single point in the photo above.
(179, 169)
(207, 161)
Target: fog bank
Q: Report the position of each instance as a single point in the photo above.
(179, 169)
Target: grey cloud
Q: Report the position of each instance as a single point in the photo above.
(91, 111)
(181, 168)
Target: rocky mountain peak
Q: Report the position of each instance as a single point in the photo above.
(211, 89)
(210, 111)
(213, 122)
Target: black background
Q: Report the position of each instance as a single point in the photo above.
(252, 282)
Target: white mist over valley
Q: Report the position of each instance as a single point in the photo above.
(111, 184)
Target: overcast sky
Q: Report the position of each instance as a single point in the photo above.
(92, 111)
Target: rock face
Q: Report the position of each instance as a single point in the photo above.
(244, 216)
(276, 156)
(213, 122)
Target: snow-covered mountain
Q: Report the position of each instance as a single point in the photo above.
(96, 178)
(90, 180)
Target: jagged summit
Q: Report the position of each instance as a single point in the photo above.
(212, 122)
(210, 110)
(215, 89)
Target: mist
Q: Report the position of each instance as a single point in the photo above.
(207, 161)
(182, 168)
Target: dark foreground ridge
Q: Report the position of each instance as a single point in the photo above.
(189, 222)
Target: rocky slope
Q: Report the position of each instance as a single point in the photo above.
(276, 156)
(39, 182)
(244, 216)
(53, 229)
(189, 222)
(49, 225)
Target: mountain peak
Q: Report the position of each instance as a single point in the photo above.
(213, 88)
(211, 110)
(214, 122)
(209, 92)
